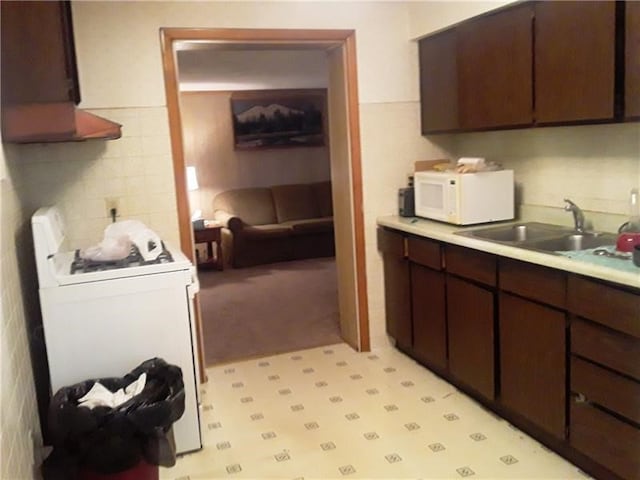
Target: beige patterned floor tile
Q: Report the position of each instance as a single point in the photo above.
(330, 412)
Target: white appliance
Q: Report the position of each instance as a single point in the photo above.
(104, 319)
(464, 198)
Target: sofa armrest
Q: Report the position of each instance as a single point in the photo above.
(228, 220)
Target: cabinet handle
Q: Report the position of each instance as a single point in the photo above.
(580, 398)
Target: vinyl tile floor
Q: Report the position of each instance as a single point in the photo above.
(331, 412)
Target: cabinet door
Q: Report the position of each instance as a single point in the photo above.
(38, 59)
(605, 439)
(533, 362)
(632, 60)
(574, 61)
(470, 318)
(429, 317)
(396, 287)
(438, 83)
(495, 70)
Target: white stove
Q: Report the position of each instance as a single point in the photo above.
(102, 319)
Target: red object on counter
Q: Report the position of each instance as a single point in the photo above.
(627, 240)
(141, 471)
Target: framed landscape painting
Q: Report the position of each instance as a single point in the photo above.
(278, 118)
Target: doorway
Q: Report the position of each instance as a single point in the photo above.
(345, 158)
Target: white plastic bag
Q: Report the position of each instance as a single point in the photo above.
(148, 242)
(108, 250)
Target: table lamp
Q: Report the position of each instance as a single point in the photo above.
(192, 185)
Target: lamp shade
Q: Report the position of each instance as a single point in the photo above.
(192, 179)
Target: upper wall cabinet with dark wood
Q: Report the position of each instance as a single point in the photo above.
(40, 87)
(38, 46)
(574, 61)
(632, 60)
(439, 83)
(533, 64)
(494, 70)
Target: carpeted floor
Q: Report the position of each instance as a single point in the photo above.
(269, 309)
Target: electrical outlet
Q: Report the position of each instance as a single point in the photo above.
(112, 207)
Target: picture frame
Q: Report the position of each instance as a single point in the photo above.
(265, 119)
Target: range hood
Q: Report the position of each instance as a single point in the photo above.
(54, 122)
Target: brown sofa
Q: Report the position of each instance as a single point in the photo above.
(275, 224)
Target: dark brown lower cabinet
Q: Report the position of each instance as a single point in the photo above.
(429, 316)
(605, 439)
(533, 362)
(498, 327)
(470, 317)
(397, 290)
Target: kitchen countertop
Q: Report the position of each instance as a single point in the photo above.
(610, 269)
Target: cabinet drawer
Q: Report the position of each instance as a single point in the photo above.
(391, 242)
(424, 252)
(533, 281)
(606, 347)
(471, 264)
(612, 391)
(613, 307)
(605, 439)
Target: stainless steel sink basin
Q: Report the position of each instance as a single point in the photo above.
(517, 233)
(576, 241)
(542, 237)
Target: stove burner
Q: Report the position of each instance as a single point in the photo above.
(134, 259)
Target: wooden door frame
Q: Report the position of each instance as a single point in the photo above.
(344, 39)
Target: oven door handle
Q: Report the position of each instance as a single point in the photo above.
(192, 289)
(194, 286)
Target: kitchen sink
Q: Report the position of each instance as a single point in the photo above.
(574, 241)
(517, 233)
(542, 237)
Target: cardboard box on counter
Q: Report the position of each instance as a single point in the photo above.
(422, 165)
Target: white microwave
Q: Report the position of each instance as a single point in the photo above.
(464, 198)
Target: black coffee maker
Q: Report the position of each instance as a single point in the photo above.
(406, 202)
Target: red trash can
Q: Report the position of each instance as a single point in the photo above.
(141, 471)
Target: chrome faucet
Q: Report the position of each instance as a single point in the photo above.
(578, 216)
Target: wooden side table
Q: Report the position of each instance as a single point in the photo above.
(212, 232)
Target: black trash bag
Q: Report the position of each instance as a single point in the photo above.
(111, 440)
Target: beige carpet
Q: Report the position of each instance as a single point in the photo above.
(269, 309)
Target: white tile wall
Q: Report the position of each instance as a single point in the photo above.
(129, 73)
(20, 438)
(392, 146)
(135, 172)
(594, 165)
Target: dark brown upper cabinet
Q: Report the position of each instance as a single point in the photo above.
(39, 76)
(574, 61)
(535, 63)
(439, 83)
(632, 60)
(494, 70)
(38, 46)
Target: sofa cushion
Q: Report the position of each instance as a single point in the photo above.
(258, 232)
(322, 192)
(253, 205)
(311, 225)
(294, 202)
